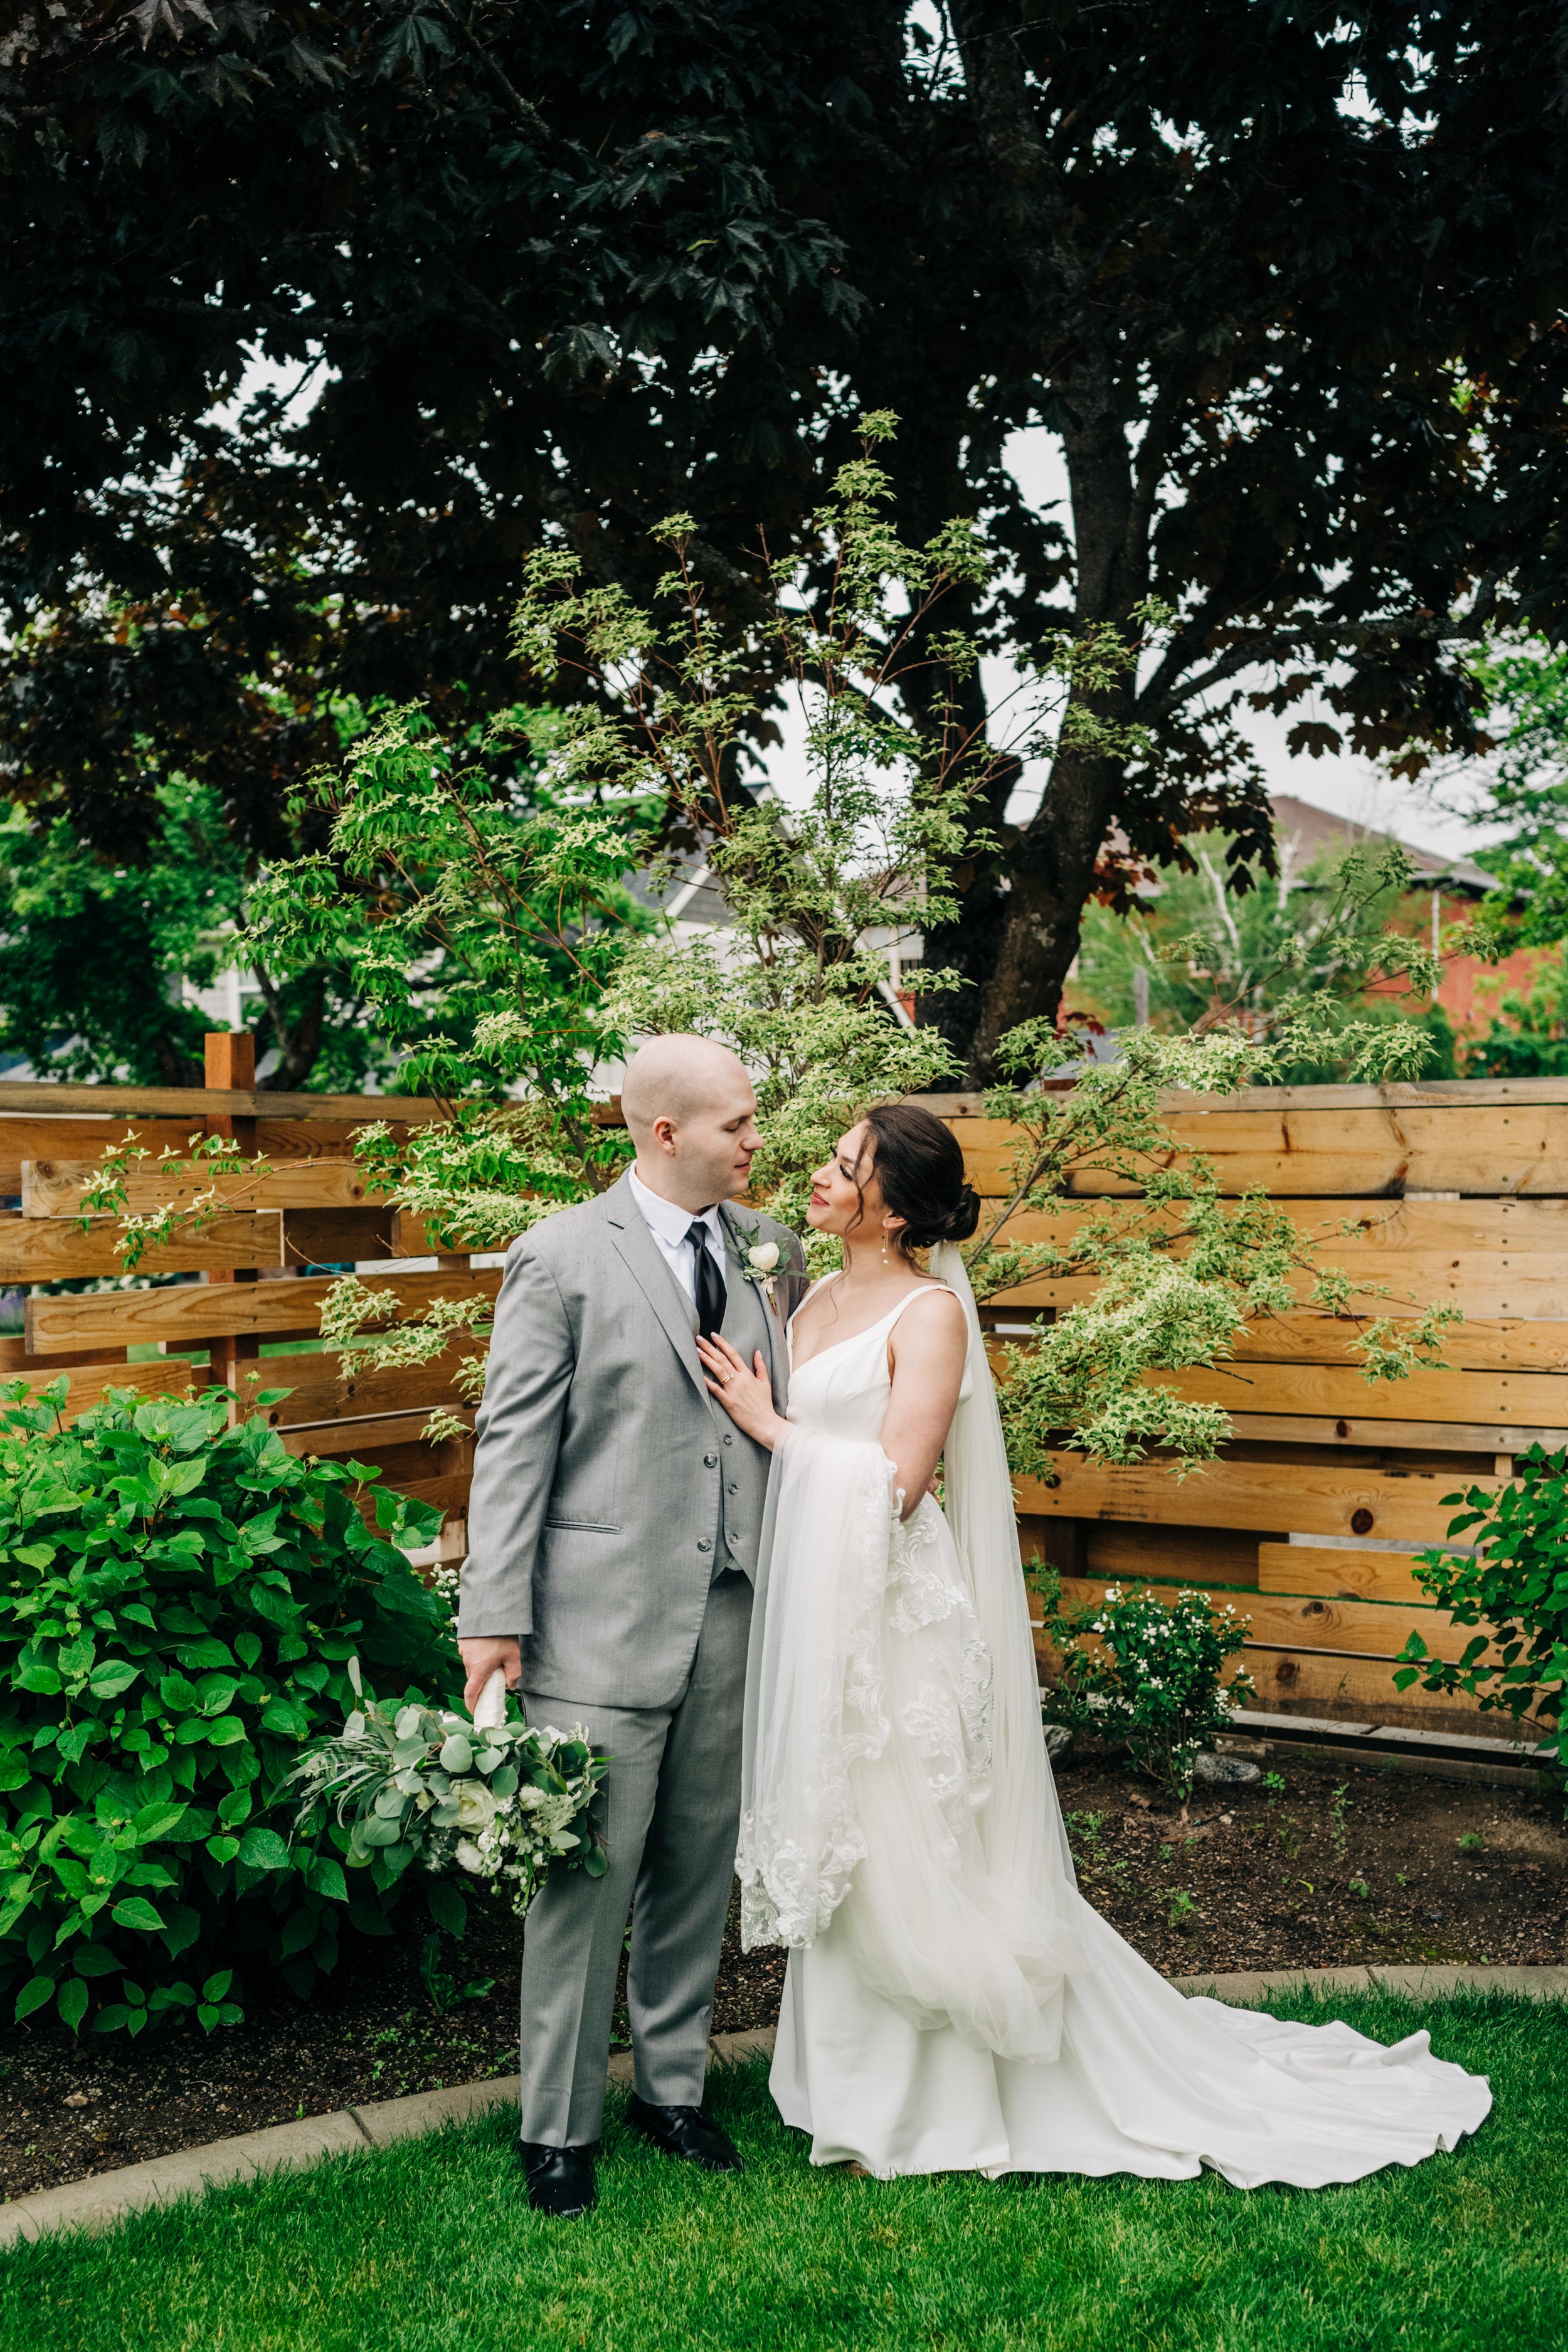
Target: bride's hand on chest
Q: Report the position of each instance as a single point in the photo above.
(744, 1390)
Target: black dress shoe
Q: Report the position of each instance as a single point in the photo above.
(560, 2179)
(684, 2131)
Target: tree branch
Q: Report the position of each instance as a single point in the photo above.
(1266, 645)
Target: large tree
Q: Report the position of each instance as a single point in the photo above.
(483, 315)
(1285, 281)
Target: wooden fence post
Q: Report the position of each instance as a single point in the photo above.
(229, 1056)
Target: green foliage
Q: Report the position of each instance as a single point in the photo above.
(480, 912)
(1514, 1582)
(478, 922)
(480, 906)
(1525, 789)
(181, 1602)
(1199, 953)
(1529, 1033)
(798, 982)
(476, 320)
(106, 1193)
(1136, 1668)
(93, 953)
(496, 942)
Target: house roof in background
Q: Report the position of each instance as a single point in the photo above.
(1303, 833)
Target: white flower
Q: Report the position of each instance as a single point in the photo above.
(763, 1257)
(476, 1806)
(468, 1856)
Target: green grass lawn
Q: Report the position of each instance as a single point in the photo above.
(429, 2246)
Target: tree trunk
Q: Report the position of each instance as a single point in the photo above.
(297, 1040)
(1050, 872)
(1018, 939)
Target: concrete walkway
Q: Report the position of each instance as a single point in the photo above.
(103, 2198)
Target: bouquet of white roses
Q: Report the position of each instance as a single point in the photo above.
(418, 1784)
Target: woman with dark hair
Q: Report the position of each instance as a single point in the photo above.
(951, 2002)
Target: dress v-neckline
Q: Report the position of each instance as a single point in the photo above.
(834, 1345)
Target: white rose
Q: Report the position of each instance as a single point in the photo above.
(476, 1806)
(764, 1258)
(468, 1856)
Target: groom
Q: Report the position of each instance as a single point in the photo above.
(612, 1541)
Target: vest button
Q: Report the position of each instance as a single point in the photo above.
(728, 1439)
(703, 1544)
(709, 1462)
(731, 1488)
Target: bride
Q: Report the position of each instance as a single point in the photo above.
(951, 2002)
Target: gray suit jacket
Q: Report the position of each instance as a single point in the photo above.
(609, 1487)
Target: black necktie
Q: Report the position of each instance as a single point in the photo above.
(709, 1282)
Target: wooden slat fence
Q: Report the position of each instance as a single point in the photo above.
(1309, 1520)
(240, 1285)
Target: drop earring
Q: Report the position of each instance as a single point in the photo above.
(884, 1249)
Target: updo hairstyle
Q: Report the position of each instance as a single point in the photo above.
(919, 1167)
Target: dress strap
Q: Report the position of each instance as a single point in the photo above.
(909, 1299)
(816, 1285)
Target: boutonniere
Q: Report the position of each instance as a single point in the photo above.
(760, 1267)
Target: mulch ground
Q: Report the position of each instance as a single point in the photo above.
(1337, 1866)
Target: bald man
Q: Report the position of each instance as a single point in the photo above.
(612, 1541)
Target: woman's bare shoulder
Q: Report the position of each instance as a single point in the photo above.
(932, 1310)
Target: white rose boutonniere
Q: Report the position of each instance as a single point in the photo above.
(759, 1265)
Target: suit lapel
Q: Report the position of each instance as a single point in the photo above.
(639, 1252)
(736, 1282)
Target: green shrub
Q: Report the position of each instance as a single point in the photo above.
(1136, 1669)
(179, 1603)
(1515, 1583)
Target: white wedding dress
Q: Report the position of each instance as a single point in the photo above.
(951, 2002)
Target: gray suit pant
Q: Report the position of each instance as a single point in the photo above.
(671, 1820)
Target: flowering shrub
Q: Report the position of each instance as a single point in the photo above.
(178, 1604)
(1138, 1669)
(415, 1784)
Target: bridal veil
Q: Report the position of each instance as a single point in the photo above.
(894, 1768)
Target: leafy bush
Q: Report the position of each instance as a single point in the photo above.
(180, 1600)
(1515, 1583)
(1134, 1669)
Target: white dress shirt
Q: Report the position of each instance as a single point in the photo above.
(669, 1225)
